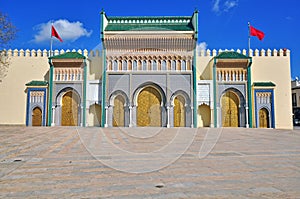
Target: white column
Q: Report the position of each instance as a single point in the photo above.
(106, 116)
(53, 116)
(168, 117)
(130, 116)
(81, 116)
(247, 117)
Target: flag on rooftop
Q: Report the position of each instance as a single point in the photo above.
(255, 32)
(55, 34)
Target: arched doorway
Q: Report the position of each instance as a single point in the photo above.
(69, 109)
(264, 118)
(179, 111)
(204, 115)
(230, 109)
(149, 107)
(118, 111)
(37, 117)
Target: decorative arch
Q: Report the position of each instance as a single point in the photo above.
(37, 116)
(264, 117)
(180, 103)
(119, 101)
(69, 109)
(150, 100)
(230, 103)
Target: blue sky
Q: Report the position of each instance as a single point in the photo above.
(222, 23)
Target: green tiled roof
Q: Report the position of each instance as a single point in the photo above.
(37, 83)
(69, 55)
(149, 23)
(264, 84)
(231, 55)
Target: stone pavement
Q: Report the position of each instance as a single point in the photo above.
(66, 162)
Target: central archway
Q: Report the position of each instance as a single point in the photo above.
(230, 109)
(149, 107)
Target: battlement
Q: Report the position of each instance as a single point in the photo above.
(252, 53)
(97, 53)
(46, 53)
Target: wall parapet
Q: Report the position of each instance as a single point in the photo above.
(97, 53)
(46, 53)
(251, 53)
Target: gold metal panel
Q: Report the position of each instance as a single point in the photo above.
(118, 112)
(149, 109)
(69, 110)
(37, 117)
(179, 111)
(230, 112)
(263, 118)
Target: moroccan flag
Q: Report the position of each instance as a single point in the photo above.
(55, 34)
(254, 32)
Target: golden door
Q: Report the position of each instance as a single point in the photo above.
(230, 112)
(149, 110)
(179, 111)
(118, 112)
(37, 117)
(263, 118)
(69, 109)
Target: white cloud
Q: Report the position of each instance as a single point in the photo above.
(216, 6)
(67, 30)
(230, 4)
(220, 6)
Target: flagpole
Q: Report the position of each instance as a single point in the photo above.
(248, 38)
(51, 41)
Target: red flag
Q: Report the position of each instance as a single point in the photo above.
(254, 32)
(55, 34)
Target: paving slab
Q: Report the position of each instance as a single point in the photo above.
(74, 162)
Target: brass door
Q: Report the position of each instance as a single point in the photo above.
(69, 109)
(149, 109)
(263, 118)
(230, 112)
(37, 117)
(179, 111)
(118, 112)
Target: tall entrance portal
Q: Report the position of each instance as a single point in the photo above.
(69, 112)
(230, 109)
(149, 107)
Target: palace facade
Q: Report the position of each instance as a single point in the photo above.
(148, 73)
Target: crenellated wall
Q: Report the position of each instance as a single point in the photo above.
(46, 53)
(27, 65)
(252, 53)
(267, 66)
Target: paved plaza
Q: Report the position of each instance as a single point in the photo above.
(68, 162)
